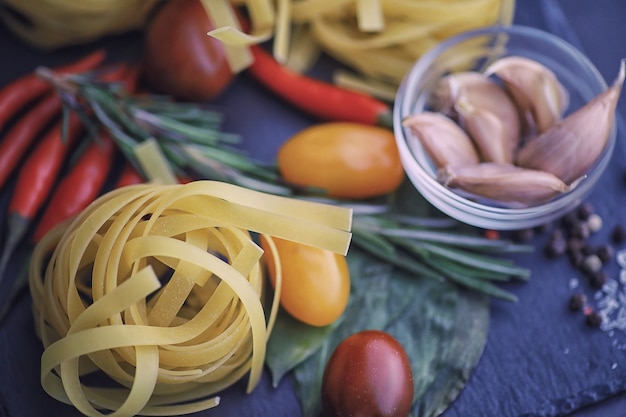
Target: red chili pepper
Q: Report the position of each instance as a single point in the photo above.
(15, 95)
(128, 176)
(24, 132)
(492, 234)
(40, 170)
(35, 181)
(39, 173)
(131, 78)
(318, 98)
(80, 187)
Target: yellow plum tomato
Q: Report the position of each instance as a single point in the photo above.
(368, 375)
(179, 58)
(347, 160)
(315, 282)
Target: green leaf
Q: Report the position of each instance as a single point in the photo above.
(292, 342)
(464, 348)
(368, 308)
(425, 328)
(432, 319)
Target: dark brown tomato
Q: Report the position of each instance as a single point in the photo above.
(368, 375)
(179, 58)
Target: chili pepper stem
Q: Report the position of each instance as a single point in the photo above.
(56, 80)
(17, 227)
(385, 119)
(20, 284)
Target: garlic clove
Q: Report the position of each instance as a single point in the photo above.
(443, 140)
(504, 183)
(540, 97)
(468, 94)
(571, 147)
(488, 133)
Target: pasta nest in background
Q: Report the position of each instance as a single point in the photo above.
(378, 39)
(52, 24)
(382, 39)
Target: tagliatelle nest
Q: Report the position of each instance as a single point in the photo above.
(160, 290)
(378, 39)
(51, 24)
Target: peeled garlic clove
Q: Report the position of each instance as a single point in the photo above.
(443, 140)
(538, 94)
(457, 93)
(504, 183)
(488, 133)
(572, 146)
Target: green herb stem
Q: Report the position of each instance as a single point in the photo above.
(190, 137)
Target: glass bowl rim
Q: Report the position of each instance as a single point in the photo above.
(448, 200)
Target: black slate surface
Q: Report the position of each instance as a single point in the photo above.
(540, 359)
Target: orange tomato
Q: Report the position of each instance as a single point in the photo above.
(347, 160)
(315, 282)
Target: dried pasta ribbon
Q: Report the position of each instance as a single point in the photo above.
(160, 289)
(380, 39)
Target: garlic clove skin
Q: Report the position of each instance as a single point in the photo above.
(484, 109)
(443, 140)
(504, 183)
(572, 146)
(488, 133)
(540, 97)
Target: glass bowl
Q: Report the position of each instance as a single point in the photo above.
(473, 51)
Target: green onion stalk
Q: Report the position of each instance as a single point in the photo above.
(190, 136)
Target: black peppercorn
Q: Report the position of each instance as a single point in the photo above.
(577, 301)
(555, 247)
(585, 210)
(543, 228)
(605, 252)
(569, 219)
(619, 234)
(586, 249)
(557, 234)
(523, 235)
(575, 244)
(593, 319)
(598, 278)
(576, 259)
(580, 230)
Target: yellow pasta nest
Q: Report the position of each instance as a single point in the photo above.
(50, 24)
(156, 292)
(379, 39)
(382, 39)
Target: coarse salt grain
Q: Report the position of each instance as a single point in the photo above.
(595, 222)
(611, 303)
(592, 263)
(621, 258)
(610, 287)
